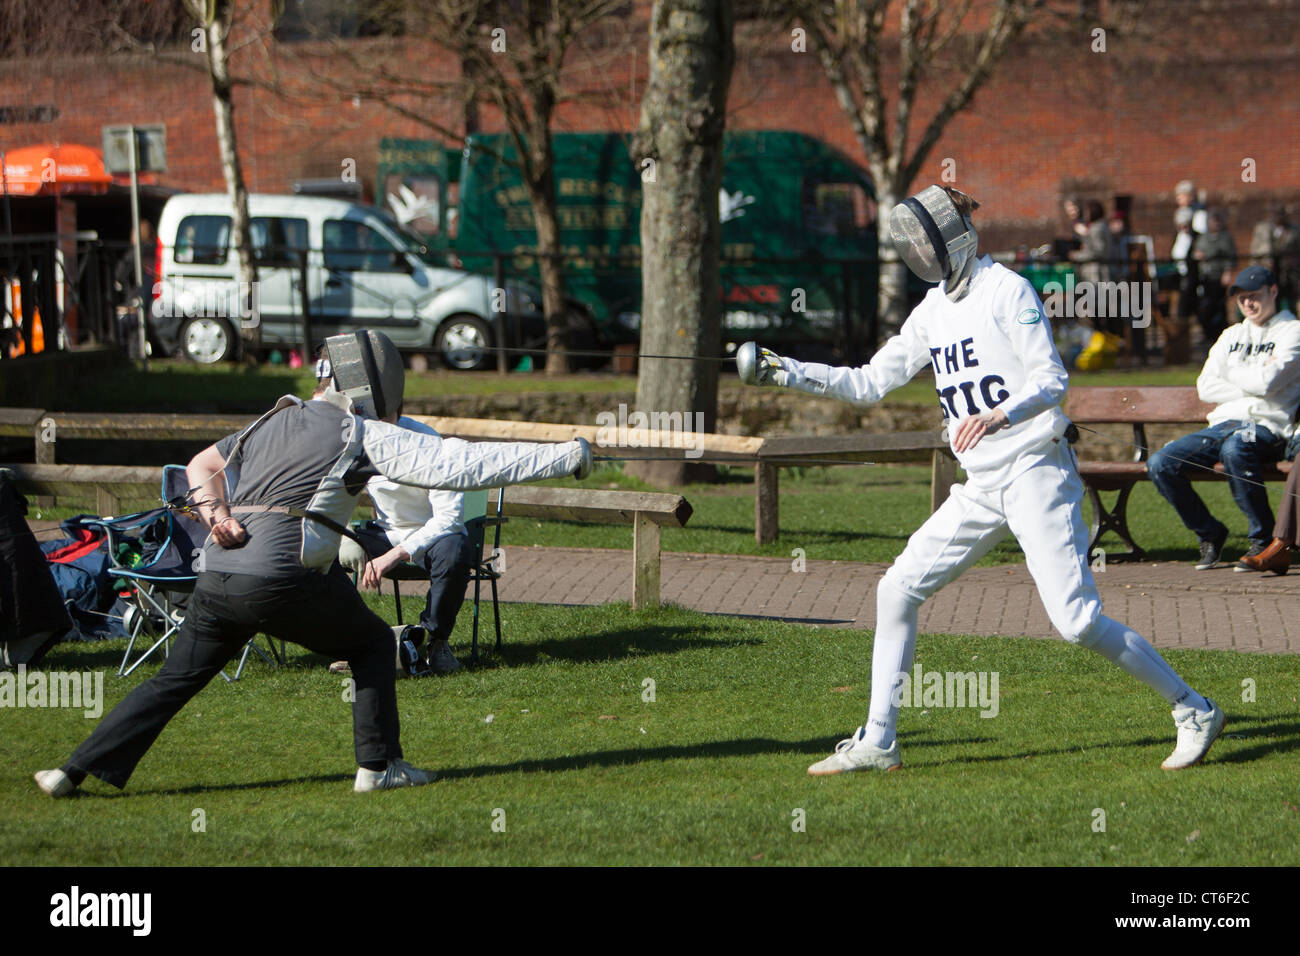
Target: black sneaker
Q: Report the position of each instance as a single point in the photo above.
(1256, 549)
(1210, 551)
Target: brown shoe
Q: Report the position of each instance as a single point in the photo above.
(1276, 558)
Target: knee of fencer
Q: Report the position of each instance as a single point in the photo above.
(890, 592)
(1089, 634)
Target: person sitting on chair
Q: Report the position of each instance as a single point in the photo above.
(426, 528)
(416, 526)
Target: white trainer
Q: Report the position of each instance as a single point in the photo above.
(399, 773)
(441, 659)
(55, 782)
(1197, 730)
(856, 754)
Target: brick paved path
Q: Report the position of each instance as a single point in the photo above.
(1169, 603)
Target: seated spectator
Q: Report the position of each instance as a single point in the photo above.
(1252, 376)
(422, 527)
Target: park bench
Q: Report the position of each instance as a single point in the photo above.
(645, 512)
(1139, 407)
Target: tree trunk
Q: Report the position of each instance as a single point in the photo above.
(892, 297)
(539, 178)
(682, 120)
(248, 322)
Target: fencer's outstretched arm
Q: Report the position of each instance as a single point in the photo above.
(431, 461)
(894, 365)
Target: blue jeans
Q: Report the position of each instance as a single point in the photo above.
(1242, 459)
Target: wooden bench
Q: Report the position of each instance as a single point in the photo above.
(645, 512)
(1139, 407)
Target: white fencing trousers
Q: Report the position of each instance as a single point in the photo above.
(1043, 509)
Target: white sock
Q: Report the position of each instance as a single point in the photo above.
(891, 657)
(1129, 650)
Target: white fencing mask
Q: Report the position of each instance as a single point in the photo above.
(936, 241)
(367, 370)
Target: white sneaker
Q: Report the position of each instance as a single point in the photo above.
(1196, 731)
(398, 774)
(441, 659)
(856, 754)
(55, 782)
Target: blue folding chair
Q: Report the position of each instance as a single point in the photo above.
(157, 553)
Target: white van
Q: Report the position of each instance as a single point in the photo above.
(364, 270)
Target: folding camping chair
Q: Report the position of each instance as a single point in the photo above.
(155, 551)
(477, 521)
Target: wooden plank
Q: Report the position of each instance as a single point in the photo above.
(19, 421)
(162, 427)
(124, 481)
(105, 501)
(943, 475)
(631, 442)
(767, 502)
(1152, 404)
(645, 562)
(921, 443)
(599, 507)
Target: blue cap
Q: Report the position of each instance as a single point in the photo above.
(1252, 279)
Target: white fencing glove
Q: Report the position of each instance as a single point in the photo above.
(760, 366)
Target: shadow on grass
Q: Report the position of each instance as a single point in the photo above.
(756, 746)
(605, 646)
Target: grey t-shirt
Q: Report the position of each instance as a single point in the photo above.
(283, 462)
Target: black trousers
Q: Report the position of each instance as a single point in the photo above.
(321, 612)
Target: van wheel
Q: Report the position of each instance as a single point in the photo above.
(207, 341)
(463, 343)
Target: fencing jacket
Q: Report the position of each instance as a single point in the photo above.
(1253, 374)
(993, 349)
(317, 456)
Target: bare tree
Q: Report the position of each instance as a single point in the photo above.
(216, 18)
(851, 41)
(511, 56)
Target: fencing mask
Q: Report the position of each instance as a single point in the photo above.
(367, 369)
(936, 241)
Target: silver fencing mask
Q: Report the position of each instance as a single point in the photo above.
(936, 241)
(367, 369)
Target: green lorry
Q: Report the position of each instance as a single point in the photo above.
(799, 256)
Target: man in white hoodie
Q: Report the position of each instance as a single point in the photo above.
(1252, 375)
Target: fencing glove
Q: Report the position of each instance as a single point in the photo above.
(760, 366)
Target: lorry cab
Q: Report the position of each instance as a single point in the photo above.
(354, 266)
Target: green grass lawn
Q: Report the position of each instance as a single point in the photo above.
(556, 741)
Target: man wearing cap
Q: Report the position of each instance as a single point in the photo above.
(1252, 376)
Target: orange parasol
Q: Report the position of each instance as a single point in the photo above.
(55, 169)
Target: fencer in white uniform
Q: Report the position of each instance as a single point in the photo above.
(1000, 382)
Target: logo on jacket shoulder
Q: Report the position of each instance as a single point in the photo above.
(1029, 317)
